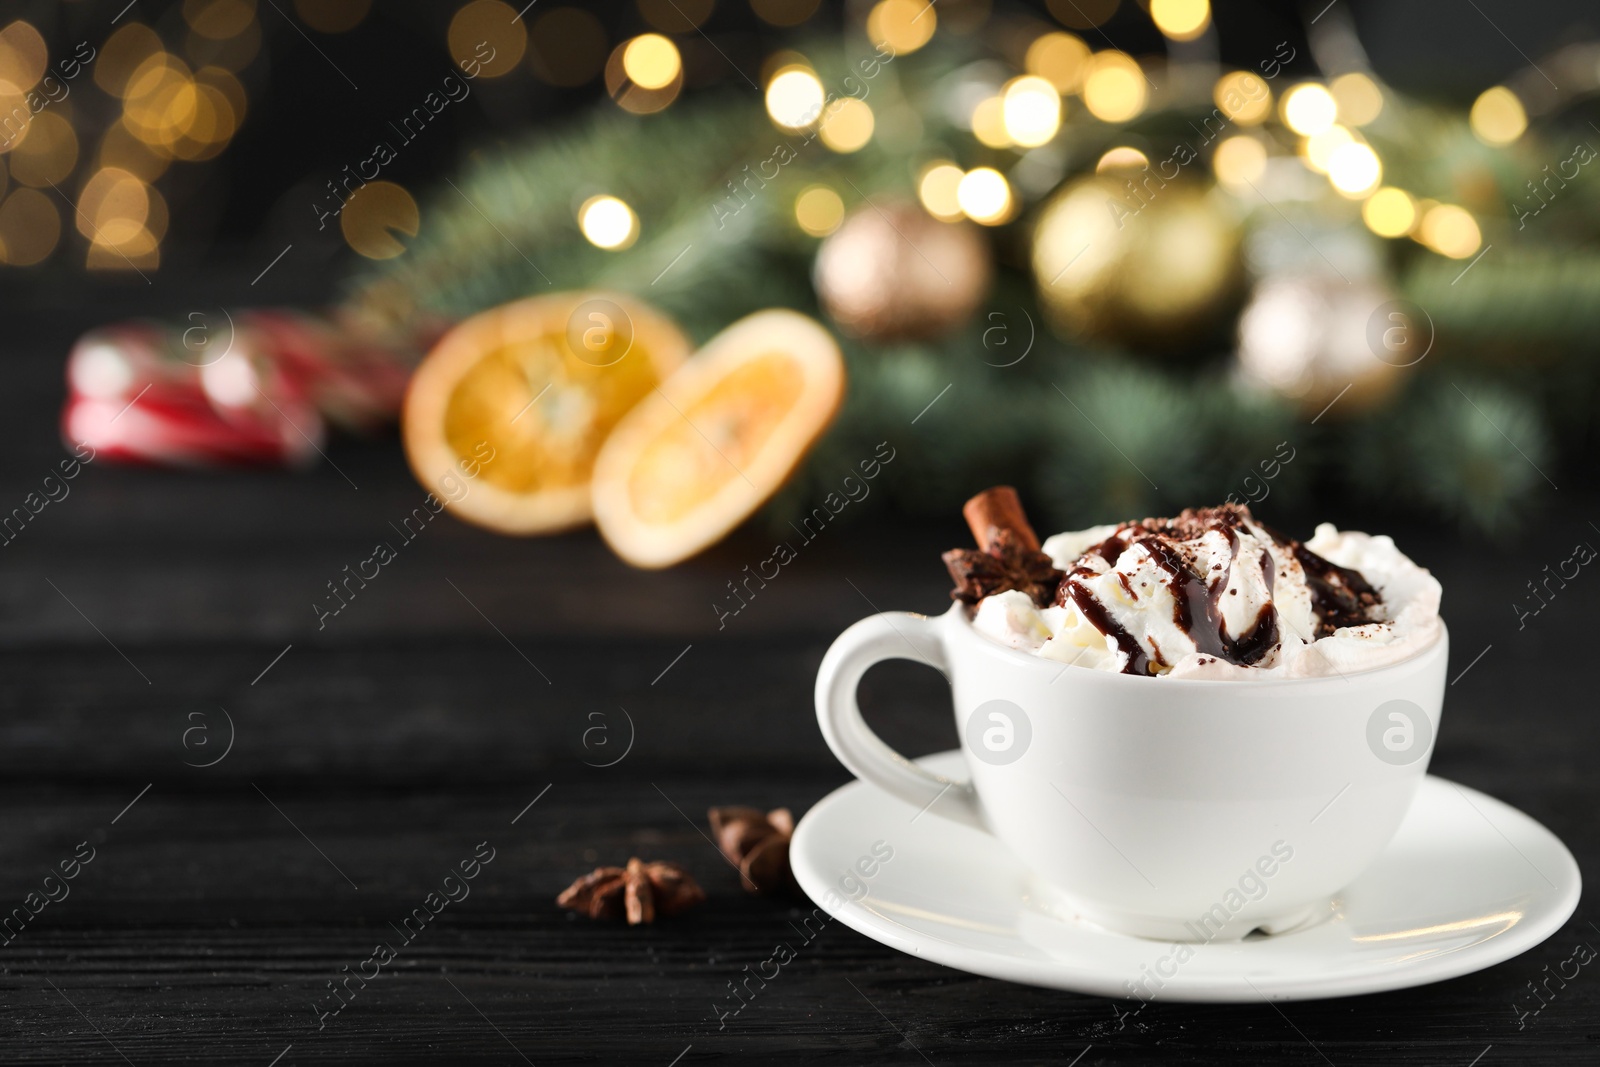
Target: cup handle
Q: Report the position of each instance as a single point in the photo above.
(888, 635)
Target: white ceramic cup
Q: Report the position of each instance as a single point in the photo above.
(1176, 809)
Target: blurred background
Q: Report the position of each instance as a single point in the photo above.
(1129, 255)
(1335, 260)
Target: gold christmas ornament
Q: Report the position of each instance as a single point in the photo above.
(1317, 341)
(1126, 258)
(894, 272)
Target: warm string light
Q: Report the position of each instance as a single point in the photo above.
(609, 223)
(1239, 161)
(901, 26)
(1181, 20)
(374, 214)
(989, 123)
(1318, 150)
(644, 74)
(1308, 109)
(938, 188)
(795, 98)
(847, 125)
(651, 61)
(1244, 97)
(1122, 158)
(1450, 231)
(1114, 87)
(818, 210)
(1498, 117)
(1060, 58)
(1354, 169)
(1357, 97)
(985, 196)
(1030, 110)
(1390, 212)
(490, 23)
(332, 16)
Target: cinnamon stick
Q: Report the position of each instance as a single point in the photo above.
(996, 509)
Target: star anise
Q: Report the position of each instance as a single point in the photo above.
(1007, 556)
(757, 844)
(641, 891)
(1005, 564)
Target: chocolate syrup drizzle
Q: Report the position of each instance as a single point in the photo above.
(1339, 596)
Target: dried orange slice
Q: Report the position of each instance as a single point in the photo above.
(504, 418)
(704, 450)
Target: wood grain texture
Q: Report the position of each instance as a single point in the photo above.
(428, 714)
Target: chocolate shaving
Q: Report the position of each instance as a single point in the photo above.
(1007, 556)
(640, 892)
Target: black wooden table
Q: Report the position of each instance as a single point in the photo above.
(451, 709)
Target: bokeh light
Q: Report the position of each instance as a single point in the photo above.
(818, 210)
(637, 98)
(651, 61)
(122, 54)
(120, 148)
(1031, 110)
(1082, 14)
(1318, 151)
(210, 127)
(1357, 97)
(1354, 169)
(784, 12)
(794, 98)
(1309, 109)
(1059, 58)
(332, 16)
(225, 83)
(1450, 231)
(901, 26)
(123, 218)
(1181, 20)
(1389, 212)
(48, 151)
(1114, 87)
(985, 196)
(1244, 97)
(115, 198)
(847, 125)
(219, 19)
(608, 223)
(234, 53)
(372, 216)
(1122, 157)
(567, 47)
(176, 113)
(488, 24)
(989, 122)
(29, 228)
(1498, 117)
(23, 56)
(938, 188)
(1239, 161)
(159, 101)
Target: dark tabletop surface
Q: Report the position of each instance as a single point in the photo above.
(453, 692)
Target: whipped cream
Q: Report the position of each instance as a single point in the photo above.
(1213, 594)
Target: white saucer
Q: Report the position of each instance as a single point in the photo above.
(1467, 882)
